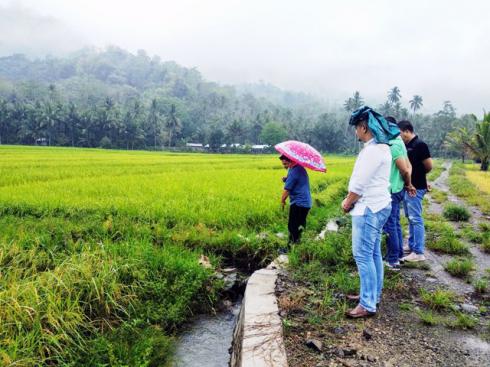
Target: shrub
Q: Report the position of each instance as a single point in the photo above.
(459, 267)
(456, 213)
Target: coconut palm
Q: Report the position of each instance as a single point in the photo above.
(416, 103)
(394, 95)
(353, 103)
(479, 145)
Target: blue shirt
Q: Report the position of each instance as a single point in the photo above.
(298, 185)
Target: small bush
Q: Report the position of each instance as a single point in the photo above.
(456, 213)
(439, 299)
(459, 267)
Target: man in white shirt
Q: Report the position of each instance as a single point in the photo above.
(369, 203)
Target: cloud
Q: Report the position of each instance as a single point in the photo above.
(25, 31)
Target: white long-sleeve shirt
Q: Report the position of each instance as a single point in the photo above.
(371, 178)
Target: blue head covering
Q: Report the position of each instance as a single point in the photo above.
(383, 131)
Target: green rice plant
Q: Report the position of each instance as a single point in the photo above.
(456, 213)
(459, 267)
(440, 299)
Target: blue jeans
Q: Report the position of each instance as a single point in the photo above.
(366, 248)
(394, 241)
(413, 211)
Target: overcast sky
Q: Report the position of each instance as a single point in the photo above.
(330, 48)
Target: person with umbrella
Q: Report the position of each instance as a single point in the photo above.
(294, 157)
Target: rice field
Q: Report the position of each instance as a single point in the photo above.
(99, 250)
(479, 178)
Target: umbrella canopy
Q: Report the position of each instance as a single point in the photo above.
(303, 154)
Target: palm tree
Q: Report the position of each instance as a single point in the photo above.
(455, 142)
(353, 103)
(416, 103)
(172, 123)
(394, 95)
(479, 145)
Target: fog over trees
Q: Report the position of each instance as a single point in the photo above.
(112, 98)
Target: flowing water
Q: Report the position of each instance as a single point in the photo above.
(207, 340)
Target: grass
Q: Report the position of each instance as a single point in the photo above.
(438, 195)
(439, 299)
(428, 317)
(459, 267)
(463, 321)
(481, 285)
(456, 213)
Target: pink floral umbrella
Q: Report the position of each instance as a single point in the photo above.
(303, 154)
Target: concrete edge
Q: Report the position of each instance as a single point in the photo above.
(258, 338)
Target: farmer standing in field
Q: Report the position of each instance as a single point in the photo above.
(421, 161)
(400, 182)
(297, 188)
(369, 203)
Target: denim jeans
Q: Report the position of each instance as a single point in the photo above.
(394, 241)
(366, 248)
(413, 211)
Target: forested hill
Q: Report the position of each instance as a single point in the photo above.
(113, 98)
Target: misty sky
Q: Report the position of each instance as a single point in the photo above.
(330, 48)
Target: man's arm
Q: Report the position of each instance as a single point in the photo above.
(285, 195)
(405, 168)
(427, 164)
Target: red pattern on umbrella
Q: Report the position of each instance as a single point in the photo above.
(303, 154)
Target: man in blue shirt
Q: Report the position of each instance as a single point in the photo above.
(297, 188)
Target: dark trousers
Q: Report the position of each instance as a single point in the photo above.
(297, 222)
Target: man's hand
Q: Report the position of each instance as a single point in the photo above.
(283, 204)
(346, 205)
(411, 190)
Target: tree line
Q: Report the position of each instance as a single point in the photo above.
(114, 99)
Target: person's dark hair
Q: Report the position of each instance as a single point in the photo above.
(405, 125)
(391, 119)
(284, 158)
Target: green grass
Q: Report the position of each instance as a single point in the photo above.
(459, 267)
(429, 318)
(439, 299)
(481, 285)
(456, 213)
(438, 196)
(463, 321)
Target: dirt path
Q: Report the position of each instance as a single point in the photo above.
(396, 336)
(481, 259)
